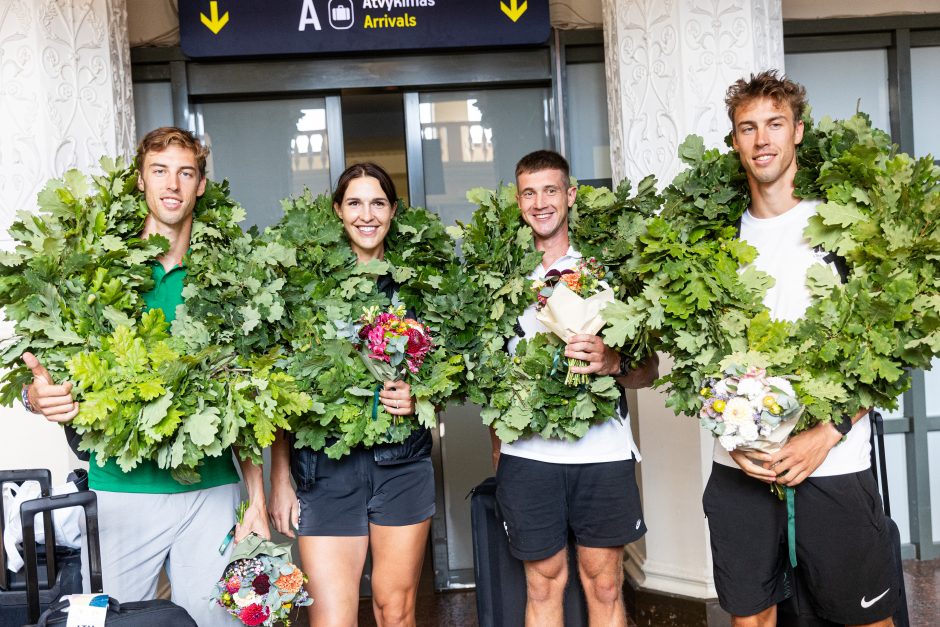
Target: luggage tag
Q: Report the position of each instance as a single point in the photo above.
(87, 610)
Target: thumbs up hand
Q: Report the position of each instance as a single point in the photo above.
(55, 402)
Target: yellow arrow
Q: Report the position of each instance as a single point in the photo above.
(216, 23)
(515, 10)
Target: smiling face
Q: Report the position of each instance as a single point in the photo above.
(766, 137)
(171, 184)
(544, 198)
(367, 215)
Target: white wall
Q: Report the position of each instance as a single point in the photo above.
(65, 100)
(668, 65)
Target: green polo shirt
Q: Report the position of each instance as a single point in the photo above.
(147, 477)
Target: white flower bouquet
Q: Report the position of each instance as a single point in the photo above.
(749, 410)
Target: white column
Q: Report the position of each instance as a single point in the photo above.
(65, 101)
(668, 66)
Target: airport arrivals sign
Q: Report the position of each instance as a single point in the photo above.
(226, 28)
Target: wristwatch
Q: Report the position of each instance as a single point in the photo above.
(24, 397)
(844, 425)
(624, 365)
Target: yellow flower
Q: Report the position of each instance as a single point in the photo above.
(718, 405)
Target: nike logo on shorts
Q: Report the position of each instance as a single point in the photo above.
(867, 604)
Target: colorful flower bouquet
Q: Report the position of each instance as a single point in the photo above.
(390, 344)
(749, 410)
(570, 303)
(260, 585)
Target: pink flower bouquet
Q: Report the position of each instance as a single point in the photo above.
(392, 345)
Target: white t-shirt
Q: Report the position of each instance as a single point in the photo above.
(605, 442)
(784, 253)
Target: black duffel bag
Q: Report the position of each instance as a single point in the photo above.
(156, 613)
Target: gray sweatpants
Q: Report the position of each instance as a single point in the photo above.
(141, 532)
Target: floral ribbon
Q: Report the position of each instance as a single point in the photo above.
(791, 523)
(556, 360)
(375, 402)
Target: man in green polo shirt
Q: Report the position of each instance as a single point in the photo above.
(147, 520)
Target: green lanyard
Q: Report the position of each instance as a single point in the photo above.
(791, 523)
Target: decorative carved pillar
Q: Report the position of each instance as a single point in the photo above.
(65, 93)
(65, 101)
(669, 63)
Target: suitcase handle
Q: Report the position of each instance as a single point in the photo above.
(28, 511)
(879, 464)
(44, 478)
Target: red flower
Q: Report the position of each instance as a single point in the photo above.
(254, 614)
(419, 345)
(261, 584)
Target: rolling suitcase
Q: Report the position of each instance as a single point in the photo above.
(58, 568)
(880, 470)
(797, 610)
(500, 577)
(157, 613)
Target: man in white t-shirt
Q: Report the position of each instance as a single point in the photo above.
(843, 544)
(547, 489)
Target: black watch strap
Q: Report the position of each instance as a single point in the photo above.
(624, 365)
(844, 425)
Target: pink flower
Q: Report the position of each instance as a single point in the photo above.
(385, 319)
(233, 585)
(254, 614)
(754, 373)
(377, 343)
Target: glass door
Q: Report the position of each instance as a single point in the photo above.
(436, 145)
(268, 150)
(458, 140)
(374, 130)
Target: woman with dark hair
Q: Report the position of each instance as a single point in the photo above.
(379, 498)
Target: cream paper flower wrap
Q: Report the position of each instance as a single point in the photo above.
(566, 314)
(771, 442)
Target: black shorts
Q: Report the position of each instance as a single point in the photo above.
(540, 502)
(843, 546)
(347, 494)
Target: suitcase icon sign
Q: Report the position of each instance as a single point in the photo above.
(341, 14)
